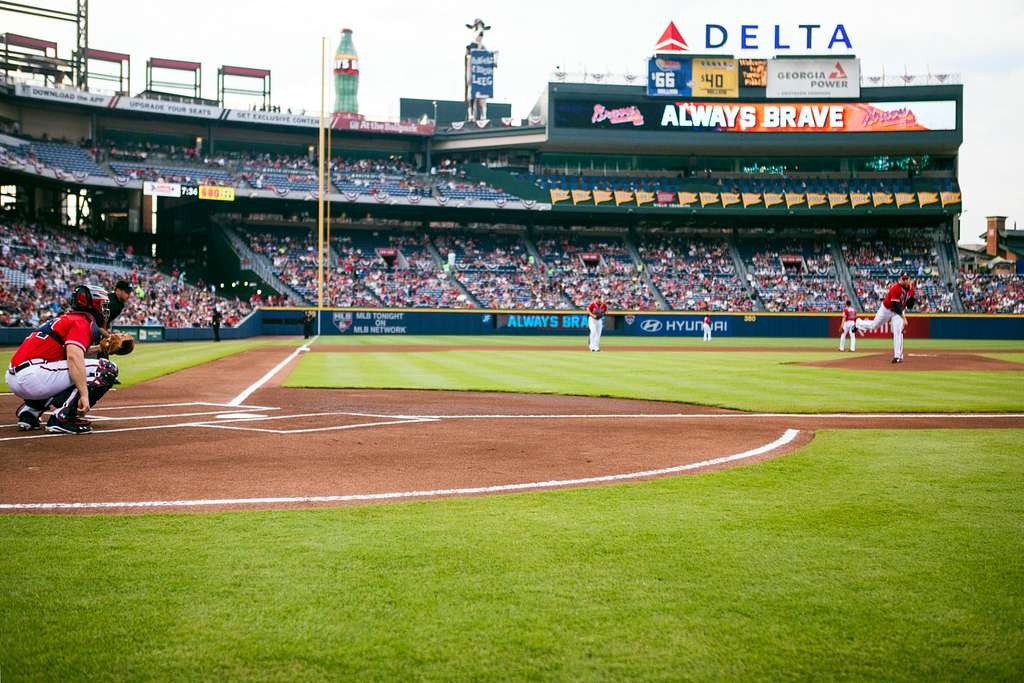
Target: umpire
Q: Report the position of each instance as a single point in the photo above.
(118, 298)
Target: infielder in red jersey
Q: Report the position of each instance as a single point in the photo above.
(900, 298)
(848, 326)
(706, 328)
(50, 369)
(595, 320)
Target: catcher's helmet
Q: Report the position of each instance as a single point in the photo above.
(93, 300)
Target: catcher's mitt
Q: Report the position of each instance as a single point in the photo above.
(118, 344)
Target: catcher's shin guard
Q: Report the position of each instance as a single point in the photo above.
(104, 377)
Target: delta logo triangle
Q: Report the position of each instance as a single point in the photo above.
(838, 73)
(671, 41)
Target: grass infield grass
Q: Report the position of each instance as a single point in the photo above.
(869, 555)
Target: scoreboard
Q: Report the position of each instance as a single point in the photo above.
(704, 77)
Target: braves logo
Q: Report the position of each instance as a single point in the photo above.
(343, 321)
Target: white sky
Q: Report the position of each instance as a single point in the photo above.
(415, 49)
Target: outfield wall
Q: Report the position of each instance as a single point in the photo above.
(352, 321)
(387, 322)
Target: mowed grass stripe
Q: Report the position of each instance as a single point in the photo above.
(733, 379)
(858, 557)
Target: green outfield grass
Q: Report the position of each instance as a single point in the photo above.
(154, 360)
(730, 379)
(870, 555)
(611, 342)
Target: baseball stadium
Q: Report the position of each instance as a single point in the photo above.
(683, 373)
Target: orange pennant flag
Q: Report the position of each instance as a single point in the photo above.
(559, 196)
(644, 198)
(879, 198)
(687, 198)
(730, 198)
(623, 196)
(601, 196)
(794, 198)
(926, 198)
(815, 199)
(580, 196)
(859, 199)
(772, 198)
(904, 198)
(950, 198)
(837, 198)
(751, 198)
(708, 198)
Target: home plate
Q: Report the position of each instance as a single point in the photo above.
(239, 416)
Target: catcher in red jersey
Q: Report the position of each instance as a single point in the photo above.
(849, 326)
(901, 297)
(50, 369)
(595, 320)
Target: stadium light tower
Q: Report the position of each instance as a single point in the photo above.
(80, 18)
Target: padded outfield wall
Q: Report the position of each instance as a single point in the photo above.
(418, 321)
(406, 321)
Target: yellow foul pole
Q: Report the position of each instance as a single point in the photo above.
(320, 201)
(330, 185)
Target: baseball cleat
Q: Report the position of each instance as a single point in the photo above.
(27, 420)
(897, 360)
(76, 426)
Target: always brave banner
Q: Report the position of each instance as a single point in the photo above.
(783, 117)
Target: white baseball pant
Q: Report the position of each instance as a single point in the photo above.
(596, 327)
(43, 380)
(896, 323)
(707, 331)
(848, 326)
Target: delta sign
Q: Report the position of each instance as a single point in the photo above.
(781, 37)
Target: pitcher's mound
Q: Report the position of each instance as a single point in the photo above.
(918, 361)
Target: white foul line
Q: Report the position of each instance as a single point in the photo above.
(786, 438)
(240, 399)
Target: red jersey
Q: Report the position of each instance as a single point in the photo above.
(849, 313)
(897, 293)
(707, 320)
(597, 309)
(48, 341)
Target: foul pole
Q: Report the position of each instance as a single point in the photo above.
(320, 201)
(330, 185)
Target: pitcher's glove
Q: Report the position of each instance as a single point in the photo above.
(117, 344)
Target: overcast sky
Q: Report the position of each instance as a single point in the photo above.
(415, 49)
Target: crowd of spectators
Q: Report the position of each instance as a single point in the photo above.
(876, 263)
(500, 272)
(695, 273)
(40, 267)
(585, 270)
(788, 279)
(992, 293)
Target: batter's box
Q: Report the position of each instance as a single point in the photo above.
(306, 423)
(164, 413)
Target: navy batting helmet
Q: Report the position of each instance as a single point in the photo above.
(93, 300)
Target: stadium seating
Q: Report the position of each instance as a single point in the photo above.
(992, 293)
(40, 267)
(875, 262)
(694, 273)
(790, 275)
(585, 269)
(499, 271)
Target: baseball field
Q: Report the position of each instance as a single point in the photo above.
(517, 508)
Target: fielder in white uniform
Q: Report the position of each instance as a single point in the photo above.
(706, 327)
(849, 327)
(595, 320)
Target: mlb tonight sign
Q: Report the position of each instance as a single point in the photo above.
(750, 37)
